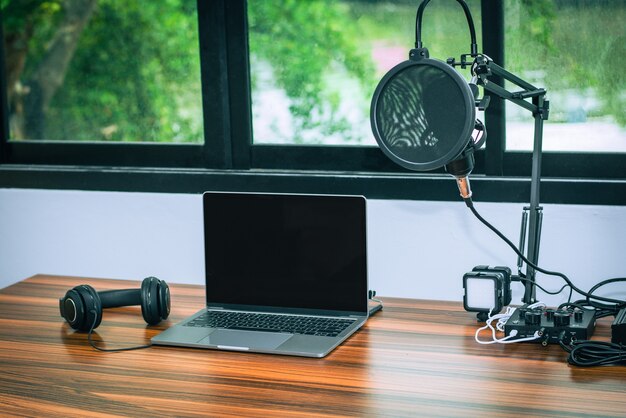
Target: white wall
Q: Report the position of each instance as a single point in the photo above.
(416, 249)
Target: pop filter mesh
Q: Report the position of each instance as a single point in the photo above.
(423, 116)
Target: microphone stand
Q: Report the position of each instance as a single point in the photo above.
(532, 215)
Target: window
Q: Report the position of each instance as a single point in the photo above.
(103, 71)
(576, 50)
(315, 64)
(184, 96)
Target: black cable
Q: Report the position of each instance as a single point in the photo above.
(576, 305)
(379, 303)
(615, 308)
(588, 295)
(605, 282)
(594, 353)
(482, 136)
(600, 311)
(581, 353)
(549, 292)
(109, 349)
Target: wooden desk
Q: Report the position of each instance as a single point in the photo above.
(414, 358)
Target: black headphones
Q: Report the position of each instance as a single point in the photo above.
(82, 305)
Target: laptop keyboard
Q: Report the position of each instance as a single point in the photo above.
(291, 324)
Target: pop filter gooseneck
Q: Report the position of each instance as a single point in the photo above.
(423, 113)
(468, 16)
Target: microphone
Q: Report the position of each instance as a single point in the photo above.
(423, 113)
(461, 169)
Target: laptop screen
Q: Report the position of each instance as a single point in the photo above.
(286, 251)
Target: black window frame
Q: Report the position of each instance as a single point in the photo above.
(228, 159)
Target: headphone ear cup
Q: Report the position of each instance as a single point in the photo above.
(91, 308)
(164, 299)
(150, 300)
(72, 308)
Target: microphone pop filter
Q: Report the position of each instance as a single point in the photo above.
(422, 114)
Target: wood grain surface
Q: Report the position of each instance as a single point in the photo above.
(415, 358)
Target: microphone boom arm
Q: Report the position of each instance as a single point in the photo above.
(482, 68)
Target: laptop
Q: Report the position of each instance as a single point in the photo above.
(285, 274)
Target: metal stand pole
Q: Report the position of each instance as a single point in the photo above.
(535, 211)
(532, 217)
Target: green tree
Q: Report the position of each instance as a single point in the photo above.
(578, 45)
(137, 67)
(23, 21)
(131, 71)
(303, 41)
(102, 70)
(105, 70)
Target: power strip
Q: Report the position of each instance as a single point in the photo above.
(551, 325)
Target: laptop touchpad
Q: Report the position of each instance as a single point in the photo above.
(245, 339)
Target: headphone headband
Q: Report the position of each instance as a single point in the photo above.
(82, 306)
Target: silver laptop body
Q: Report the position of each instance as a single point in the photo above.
(285, 274)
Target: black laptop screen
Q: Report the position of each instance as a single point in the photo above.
(286, 251)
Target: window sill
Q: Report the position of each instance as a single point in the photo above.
(400, 186)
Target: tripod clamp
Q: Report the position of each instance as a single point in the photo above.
(483, 67)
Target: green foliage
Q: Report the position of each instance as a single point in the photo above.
(539, 22)
(305, 42)
(573, 45)
(135, 76)
(135, 73)
(444, 26)
(612, 83)
(18, 13)
(318, 50)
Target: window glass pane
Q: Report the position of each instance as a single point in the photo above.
(315, 64)
(103, 70)
(577, 51)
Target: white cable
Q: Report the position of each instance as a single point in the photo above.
(519, 340)
(505, 317)
(502, 319)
